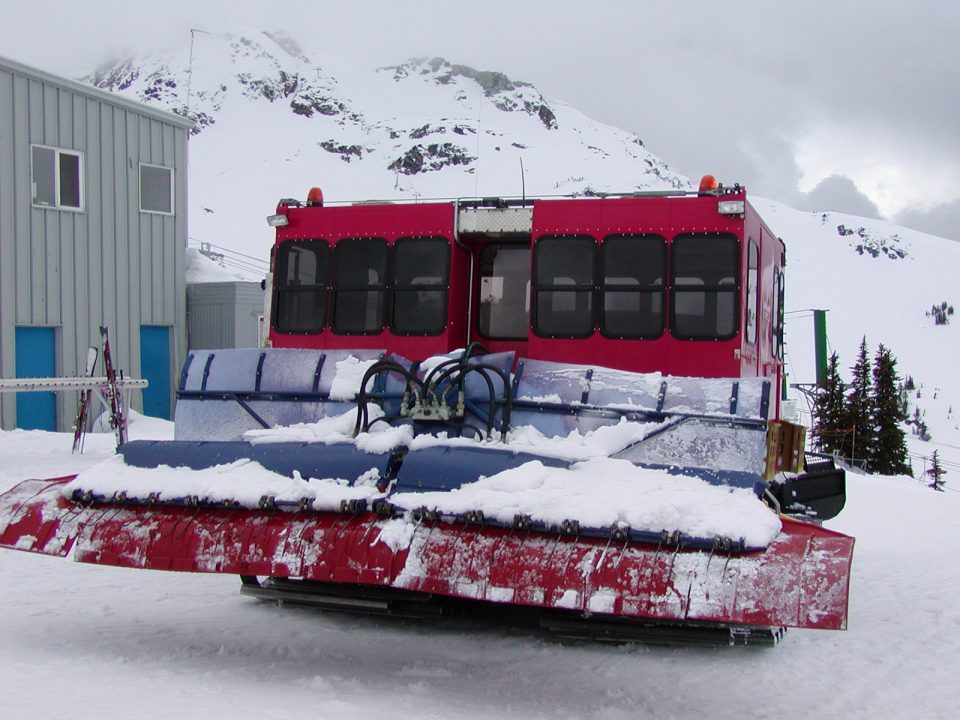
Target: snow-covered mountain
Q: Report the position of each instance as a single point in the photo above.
(274, 119)
(876, 280)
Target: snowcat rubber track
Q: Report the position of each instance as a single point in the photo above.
(362, 599)
(382, 601)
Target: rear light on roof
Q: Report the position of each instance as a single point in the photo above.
(277, 220)
(708, 183)
(730, 207)
(315, 197)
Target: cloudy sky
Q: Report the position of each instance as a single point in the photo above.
(847, 105)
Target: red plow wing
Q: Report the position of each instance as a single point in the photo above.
(800, 580)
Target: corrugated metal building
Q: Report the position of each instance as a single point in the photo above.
(93, 226)
(224, 315)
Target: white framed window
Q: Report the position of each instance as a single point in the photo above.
(753, 289)
(56, 177)
(156, 189)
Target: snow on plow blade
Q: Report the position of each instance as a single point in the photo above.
(800, 580)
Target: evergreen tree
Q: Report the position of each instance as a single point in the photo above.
(919, 424)
(936, 473)
(903, 403)
(829, 410)
(858, 418)
(887, 453)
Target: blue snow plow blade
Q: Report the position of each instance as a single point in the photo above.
(224, 393)
(715, 429)
(404, 475)
(429, 469)
(449, 468)
(310, 460)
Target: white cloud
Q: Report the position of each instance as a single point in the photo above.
(775, 95)
(838, 194)
(894, 168)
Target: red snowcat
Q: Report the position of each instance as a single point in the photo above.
(565, 408)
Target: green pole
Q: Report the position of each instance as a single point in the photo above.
(820, 340)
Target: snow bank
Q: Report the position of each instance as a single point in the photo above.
(201, 269)
(604, 493)
(350, 372)
(597, 492)
(244, 482)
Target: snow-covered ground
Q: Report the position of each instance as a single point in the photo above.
(94, 641)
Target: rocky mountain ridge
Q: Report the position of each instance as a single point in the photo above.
(367, 115)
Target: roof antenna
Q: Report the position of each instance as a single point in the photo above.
(523, 182)
(476, 177)
(190, 66)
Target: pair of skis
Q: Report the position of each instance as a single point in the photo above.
(118, 418)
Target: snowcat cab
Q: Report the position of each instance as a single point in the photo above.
(568, 407)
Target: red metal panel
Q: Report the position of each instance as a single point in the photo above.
(32, 519)
(384, 220)
(801, 580)
(759, 360)
(665, 216)
(390, 222)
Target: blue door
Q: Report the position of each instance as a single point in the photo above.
(36, 357)
(155, 366)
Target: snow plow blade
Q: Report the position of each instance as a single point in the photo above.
(800, 580)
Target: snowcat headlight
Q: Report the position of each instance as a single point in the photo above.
(730, 207)
(277, 220)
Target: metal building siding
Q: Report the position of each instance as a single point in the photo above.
(9, 191)
(209, 326)
(107, 264)
(223, 314)
(210, 315)
(249, 305)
